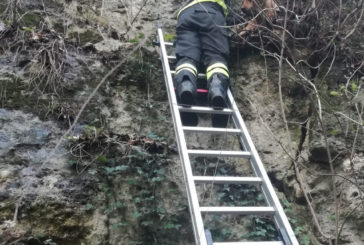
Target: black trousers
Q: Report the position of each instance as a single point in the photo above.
(202, 37)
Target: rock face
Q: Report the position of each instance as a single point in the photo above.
(19, 129)
(116, 178)
(30, 191)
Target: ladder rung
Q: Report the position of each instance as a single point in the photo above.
(212, 130)
(171, 57)
(168, 43)
(217, 153)
(202, 109)
(226, 180)
(250, 243)
(200, 75)
(238, 210)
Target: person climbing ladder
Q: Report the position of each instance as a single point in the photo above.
(202, 38)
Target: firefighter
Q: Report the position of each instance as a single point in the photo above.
(202, 38)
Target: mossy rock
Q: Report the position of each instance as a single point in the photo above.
(7, 209)
(86, 37)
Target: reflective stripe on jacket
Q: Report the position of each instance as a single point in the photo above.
(219, 2)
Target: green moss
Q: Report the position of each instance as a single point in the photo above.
(59, 27)
(54, 220)
(31, 20)
(134, 40)
(2, 8)
(138, 38)
(168, 37)
(86, 37)
(332, 101)
(7, 210)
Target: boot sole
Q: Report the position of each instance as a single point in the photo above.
(187, 98)
(188, 118)
(219, 121)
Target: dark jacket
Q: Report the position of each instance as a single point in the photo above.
(232, 18)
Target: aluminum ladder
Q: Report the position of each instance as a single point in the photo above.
(274, 208)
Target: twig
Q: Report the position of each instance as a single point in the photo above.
(334, 190)
(349, 118)
(283, 45)
(352, 75)
(140, 9)
(346, 218)
(136, 16)
(357, 23)
(15, 218)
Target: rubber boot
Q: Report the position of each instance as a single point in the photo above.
(186, 96)
(217, 96)
(186, 93)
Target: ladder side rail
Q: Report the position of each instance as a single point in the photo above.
(260, 171)
(235, 121)
(254, 167)
(192, 196)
